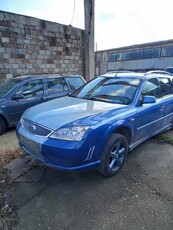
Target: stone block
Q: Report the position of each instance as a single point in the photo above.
(6, 55)
(20, 71)
(4, 71)
(15, 66)
(5, 39)
(9, 75)
(18, 30)
(2, 50)
(20, 41)
(42, 52)
(27, 41)
(33, 71)
(8, 66)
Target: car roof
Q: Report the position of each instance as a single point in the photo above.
(149, 74)
(124, 74)
(35, 76)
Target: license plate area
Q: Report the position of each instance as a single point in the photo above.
(31, 147)
(29, 143)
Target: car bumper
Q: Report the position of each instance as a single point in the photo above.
(59, 154)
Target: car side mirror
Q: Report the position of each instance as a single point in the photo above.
(17, 97)
(148, 99)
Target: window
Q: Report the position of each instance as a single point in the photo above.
(142, 54)
(113, 57)
(7, 85)
(75, 82)
(113, 90)
(151, 88)
(31, 89)
(55, 85)
(165, 86)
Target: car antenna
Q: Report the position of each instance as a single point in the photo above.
(119, 68)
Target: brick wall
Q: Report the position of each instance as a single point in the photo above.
(32, 46)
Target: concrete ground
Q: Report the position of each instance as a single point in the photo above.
(139, 197)
(8, 141)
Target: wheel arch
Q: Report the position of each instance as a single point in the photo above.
(125, 131)
(6, 122)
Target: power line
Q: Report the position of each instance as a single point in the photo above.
(74, 5)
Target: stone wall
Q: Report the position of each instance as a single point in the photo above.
(32, 46)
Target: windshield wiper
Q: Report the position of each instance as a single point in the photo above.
(96, 99)
(71, 95)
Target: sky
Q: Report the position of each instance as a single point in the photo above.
(118, 23)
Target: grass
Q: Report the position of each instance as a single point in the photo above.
(165, 138)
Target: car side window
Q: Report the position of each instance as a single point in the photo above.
(30, 89)
(75, 82)
(55, 85)
(165, 86)
(151, 88)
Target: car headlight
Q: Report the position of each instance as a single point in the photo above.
(75, 133)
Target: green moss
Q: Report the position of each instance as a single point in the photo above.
(165, 139)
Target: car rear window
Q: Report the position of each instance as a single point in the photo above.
(75, 82)
(56, 85)
(7, 85)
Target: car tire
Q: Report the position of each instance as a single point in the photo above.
(114, 155)
(2, 126)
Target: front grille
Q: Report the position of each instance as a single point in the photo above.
(35, 128)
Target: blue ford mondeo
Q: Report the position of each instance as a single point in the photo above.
(97, 125)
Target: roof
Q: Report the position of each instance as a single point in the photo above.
(148, 74)
(46, 75)
(124, 74)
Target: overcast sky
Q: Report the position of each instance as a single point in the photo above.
(118, 23)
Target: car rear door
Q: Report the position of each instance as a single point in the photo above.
(166, 87)
(29, 94)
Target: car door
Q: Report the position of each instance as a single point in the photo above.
(29, 94)
(167, 99)
(149, 117)
(56, 87)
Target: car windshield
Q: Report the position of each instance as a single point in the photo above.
(7, 85)
(120, 90)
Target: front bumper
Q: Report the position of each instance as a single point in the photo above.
(59, 154)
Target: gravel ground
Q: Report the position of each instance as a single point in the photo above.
(8, 141)
(140, 197)
(9, 150)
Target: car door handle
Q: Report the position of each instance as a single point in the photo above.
(161, 107)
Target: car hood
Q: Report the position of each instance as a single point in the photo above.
(62, 111)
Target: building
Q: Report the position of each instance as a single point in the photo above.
(142, 57)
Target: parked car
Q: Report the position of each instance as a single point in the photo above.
(20, 93)
(96, 126)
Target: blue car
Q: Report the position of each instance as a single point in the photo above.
(97, 125)
(20, 93)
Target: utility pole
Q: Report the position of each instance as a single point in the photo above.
(89, 6)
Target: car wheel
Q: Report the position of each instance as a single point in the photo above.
(114, 155)
(2, 126)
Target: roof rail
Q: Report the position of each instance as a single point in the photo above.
(120, 71)
(158, 72)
